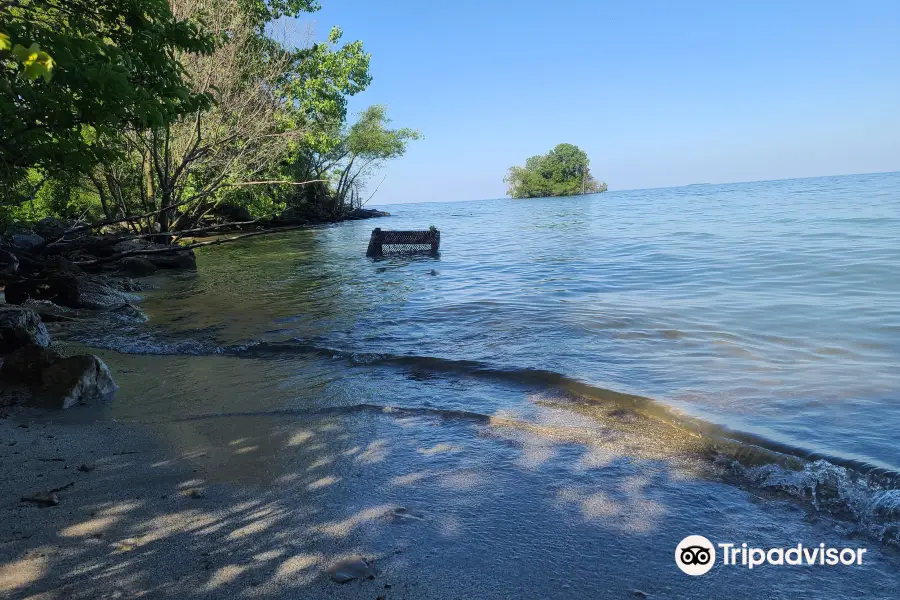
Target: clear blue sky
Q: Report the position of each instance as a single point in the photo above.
(657, 93)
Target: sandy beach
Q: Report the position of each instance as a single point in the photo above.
(440, 507)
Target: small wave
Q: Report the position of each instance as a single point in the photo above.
(541, 378)
(869, 502)
(847, 489)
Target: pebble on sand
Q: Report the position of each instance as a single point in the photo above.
(350, 569)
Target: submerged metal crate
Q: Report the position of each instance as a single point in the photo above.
(403, 242)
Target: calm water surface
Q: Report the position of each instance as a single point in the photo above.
(772, 308)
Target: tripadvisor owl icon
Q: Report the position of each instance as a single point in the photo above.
(695, 555)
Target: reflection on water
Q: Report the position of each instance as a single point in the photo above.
(770, 307)
(486, 394)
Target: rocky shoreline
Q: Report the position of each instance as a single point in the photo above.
(56, 271)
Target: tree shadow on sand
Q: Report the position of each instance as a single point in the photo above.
(439, 507)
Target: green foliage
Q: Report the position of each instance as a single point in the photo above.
(62, 197)
(318, 84)
(371, 138)
(110, 108)
(35, 62)
(564, 171)
(266, 11)
(352, 154)
(113, 65)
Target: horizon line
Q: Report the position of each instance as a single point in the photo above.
(662, 187)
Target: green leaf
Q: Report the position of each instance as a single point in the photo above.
(36, 62)
(5, 44)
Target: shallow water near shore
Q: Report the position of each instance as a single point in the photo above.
(772, 307)
(760, 319)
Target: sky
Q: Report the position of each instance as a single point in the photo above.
(658, 94)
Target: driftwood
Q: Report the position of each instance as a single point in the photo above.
(133, 218)
(176, 248)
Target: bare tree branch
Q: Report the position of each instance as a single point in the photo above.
(174, 249)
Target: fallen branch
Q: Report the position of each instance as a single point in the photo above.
(373, 193)
(98, 225)
(183, 232)
(174, 249)
(274, 182)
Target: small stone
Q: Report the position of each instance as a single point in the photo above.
(42, 499)
(350, 569)
(640, 594)
(85, 468)
(195, 493)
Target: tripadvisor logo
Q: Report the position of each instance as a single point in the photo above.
(696, 555)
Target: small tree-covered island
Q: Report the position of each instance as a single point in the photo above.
(564, 171)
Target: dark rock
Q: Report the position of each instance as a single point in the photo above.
(60, 266)
(366, 213)
(26, 364)
(182, 259)
(9, 263)
(176, 259)
(51, 313)
(294, 215)
(26, 241)
(13, 395)
(231, 212)
(136, 266)
(93, 245)
(47, 379)
(20, 327)
(91, 294)
(70, 291)
(139, 245)
(75, 380)
(50, 227)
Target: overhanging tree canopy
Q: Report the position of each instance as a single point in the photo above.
(114, 66)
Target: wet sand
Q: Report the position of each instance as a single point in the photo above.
(254, 507)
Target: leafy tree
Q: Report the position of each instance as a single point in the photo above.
(564, 171)
(324, 76)
(262, 12)
(364, 147)
(113, 66)
(35, 62)
(169, 108)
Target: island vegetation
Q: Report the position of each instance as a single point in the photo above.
(564, 171)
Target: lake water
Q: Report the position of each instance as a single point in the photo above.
(771, 309)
